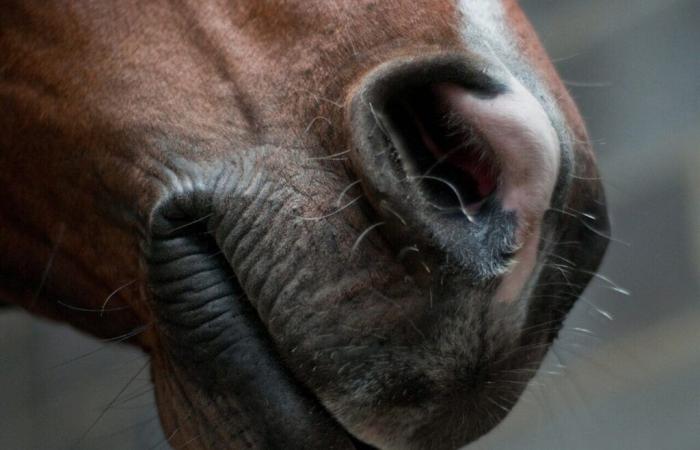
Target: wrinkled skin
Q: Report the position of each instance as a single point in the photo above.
(187, 173)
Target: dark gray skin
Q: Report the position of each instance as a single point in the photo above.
(242, 182)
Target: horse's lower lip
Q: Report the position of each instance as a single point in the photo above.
(214, 337)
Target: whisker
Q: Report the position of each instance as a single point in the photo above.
(325, 119)
(597, 309)
(93, 310)
(104, 411)
(491, 400)
(448, 154)
(139, 394)
(566, 58)
(577, 177)
(345, 191)
(452, 187)
(165, 440)
(606, 236)
(109, 297)
(385, 206)
(425, 266)
(402, 253)
(123, 337)
(188, 442)
(611, 284)
(49, 263)
(561, 258)
(588, 84)
(334, 156)
(363, 235)
(331, 214)
(579, 214)
(189, 224)
(319, 97)
(140, 424)
(380, 124)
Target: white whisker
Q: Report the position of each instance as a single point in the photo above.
(363, 235)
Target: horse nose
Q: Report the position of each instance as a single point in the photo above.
(466, 159)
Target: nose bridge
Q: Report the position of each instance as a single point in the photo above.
(326, 46)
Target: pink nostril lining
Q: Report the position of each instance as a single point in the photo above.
(522, 139)
(526, 146)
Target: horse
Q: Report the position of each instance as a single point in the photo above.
(330, 224)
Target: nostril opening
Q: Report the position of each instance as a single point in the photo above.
(439, 149)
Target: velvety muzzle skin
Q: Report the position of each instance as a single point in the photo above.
(268, 196)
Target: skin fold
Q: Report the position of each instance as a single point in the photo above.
(224, 184)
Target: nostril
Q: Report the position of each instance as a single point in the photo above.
(438, 148)
(446, 138)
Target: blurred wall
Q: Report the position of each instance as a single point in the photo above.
(625, 372)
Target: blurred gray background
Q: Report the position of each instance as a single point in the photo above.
(625, 373)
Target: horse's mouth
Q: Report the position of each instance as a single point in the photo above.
(214, 338)
(217, 357)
